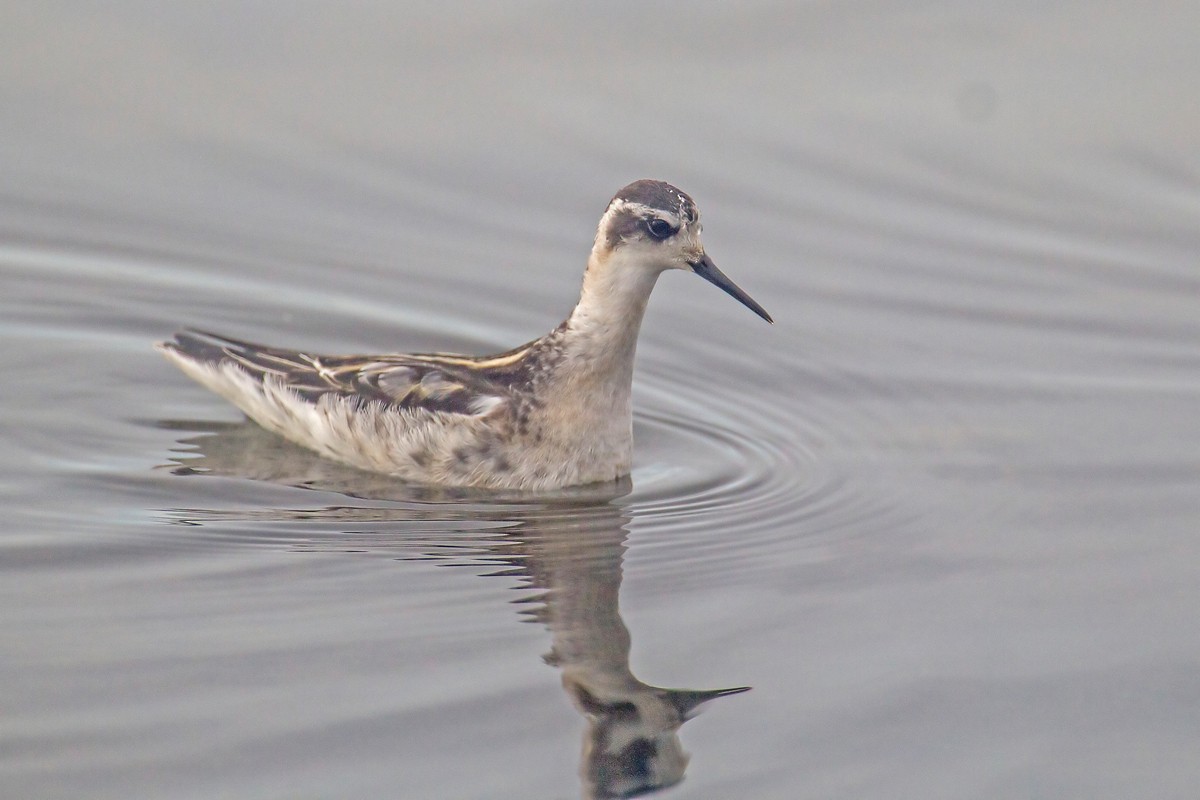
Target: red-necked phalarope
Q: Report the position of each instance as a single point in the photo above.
(552, 413)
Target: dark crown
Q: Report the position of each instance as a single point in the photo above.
(660, 195)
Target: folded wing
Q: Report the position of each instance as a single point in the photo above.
(450, 385)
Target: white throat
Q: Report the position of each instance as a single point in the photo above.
(605, 323)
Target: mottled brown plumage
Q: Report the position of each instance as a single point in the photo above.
(554, 412)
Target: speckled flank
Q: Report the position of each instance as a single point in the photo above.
(554, 412)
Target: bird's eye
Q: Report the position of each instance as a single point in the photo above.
(659, 228)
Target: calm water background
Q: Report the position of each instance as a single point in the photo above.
(944, 516)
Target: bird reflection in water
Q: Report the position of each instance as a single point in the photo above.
(568, 547)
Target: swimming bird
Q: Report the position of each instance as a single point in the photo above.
(552, 413)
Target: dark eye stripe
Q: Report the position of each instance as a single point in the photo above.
(659, 228)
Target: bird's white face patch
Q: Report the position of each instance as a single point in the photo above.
(643, 211)
(626, 226)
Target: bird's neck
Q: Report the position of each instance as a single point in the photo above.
(587, 404)
(603, 328)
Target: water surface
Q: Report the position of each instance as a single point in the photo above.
(941, 517)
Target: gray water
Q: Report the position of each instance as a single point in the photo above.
(943, 517)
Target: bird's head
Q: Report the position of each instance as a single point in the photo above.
(653, 226)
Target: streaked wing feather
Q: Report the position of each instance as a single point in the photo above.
(414, 382)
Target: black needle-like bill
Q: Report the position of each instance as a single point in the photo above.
(706, 269)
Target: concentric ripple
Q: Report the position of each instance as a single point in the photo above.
(730, 482)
